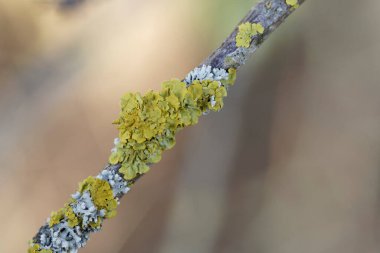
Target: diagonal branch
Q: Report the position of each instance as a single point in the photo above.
(270, 13)
(201, 91)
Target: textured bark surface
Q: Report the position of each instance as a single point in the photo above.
(269, 13)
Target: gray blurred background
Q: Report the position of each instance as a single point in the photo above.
(291, 164)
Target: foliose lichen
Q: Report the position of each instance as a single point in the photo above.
(101, 194)
(36, 248)
(292, 3)
(118, 184)
(246, 31)
(67, 239)
(206, 73)
(148, 124)
(147, 127)
(85, 208)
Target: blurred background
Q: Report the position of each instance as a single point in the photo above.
(291, 164)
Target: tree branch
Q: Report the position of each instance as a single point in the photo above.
(68, 229)
(270, 13)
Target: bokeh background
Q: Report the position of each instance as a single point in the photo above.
(291, 164)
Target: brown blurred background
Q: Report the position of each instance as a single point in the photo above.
(291, 164)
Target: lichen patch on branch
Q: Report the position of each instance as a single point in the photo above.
(246, 32)
(293, 3)
(148, 124)
(147, 127)
(68, 229)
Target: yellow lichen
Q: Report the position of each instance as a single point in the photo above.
(245, 33)
(243, 37)
(72, 219)
(293, 3)
(56, 217)
(101, 194)
(258, 28)
(231, 77)
(66, 212)
(36, 248)
(147, 127)
(148, 124)
(96, 224)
